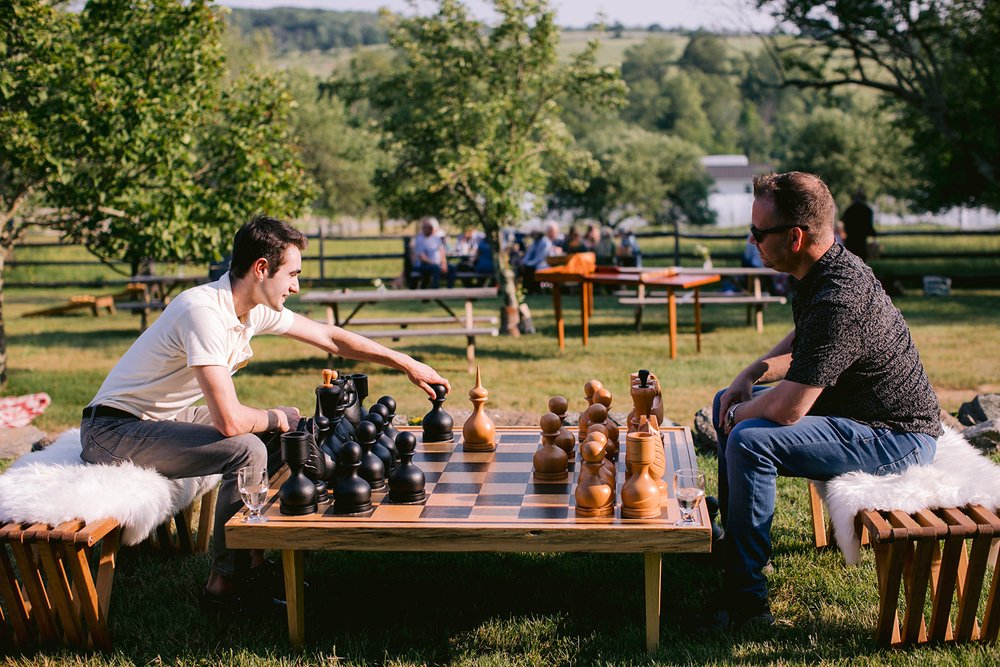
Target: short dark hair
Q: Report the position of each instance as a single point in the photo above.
(263, 236)
(799, 199)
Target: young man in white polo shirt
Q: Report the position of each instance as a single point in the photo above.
(144, 411)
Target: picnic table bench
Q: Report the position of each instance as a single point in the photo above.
(462, 323)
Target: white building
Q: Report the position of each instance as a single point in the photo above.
(731, 195)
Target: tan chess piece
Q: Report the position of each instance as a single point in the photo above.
(558, 405)
(594, 496)
(656, 407)
(607, 465)
(478, 433)
(640, 493)
(643, 393)
(659, 463)
(598, 414)
(589, 389)
(612, 444)
(329, 375)
(550, 462)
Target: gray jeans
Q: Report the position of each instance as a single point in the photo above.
(187, 447)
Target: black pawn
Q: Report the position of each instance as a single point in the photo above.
(390, 406)
(406, 483)
(377, 416)
(353, 494)
(438, 424)
(378, 447)
(372, 469)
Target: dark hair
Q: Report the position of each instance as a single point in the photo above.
(263, 236)
(799, 199)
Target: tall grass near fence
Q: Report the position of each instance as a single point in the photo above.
(510, 609)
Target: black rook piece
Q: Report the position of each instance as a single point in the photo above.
(406, 483)
(438, 424)
(298, 494)
(353, 495)
(361, 386)
(372, 469)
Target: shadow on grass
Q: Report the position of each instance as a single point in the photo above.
(82, 339)
(436, 608)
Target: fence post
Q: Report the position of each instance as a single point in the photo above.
(677, 243)
(322, 273)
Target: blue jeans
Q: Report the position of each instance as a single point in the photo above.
(758, 450)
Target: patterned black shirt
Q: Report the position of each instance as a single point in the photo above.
(851, 339)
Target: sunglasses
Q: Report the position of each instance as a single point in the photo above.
(759, 234)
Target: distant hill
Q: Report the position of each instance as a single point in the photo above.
(295, 29)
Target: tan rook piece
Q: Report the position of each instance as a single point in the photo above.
(659, 462)
(640, 493)
(479, 433)
(550, 462)
(558, 405)
(595, 496)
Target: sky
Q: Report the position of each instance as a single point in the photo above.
(715, 15)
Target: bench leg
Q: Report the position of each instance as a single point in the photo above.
(206, 516)
(470, 353)
(820, 536)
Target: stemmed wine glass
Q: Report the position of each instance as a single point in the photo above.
(689, 488)
(253, 489)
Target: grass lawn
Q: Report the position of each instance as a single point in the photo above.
(500, 609)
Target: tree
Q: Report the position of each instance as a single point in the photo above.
(649, 174)
(935, 63)
(471, 117)
(119, 130)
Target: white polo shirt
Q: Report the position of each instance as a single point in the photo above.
(199, 327)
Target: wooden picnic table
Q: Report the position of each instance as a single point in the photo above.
(670, 278)
(156, 292)
(454, 324)
(460, 516)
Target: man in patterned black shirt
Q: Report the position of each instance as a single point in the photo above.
(851, 392)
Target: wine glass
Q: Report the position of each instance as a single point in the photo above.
(253, 483)
(689, 488)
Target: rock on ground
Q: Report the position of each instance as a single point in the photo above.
(949, 420)
(17, 441)
(705, 439)
(985, 436)
(983, 408)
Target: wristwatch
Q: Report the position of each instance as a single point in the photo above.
(731, 417)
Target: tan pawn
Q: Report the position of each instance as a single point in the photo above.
(478, 433)
(612, 444)
(607, 465)
(598, 414)
(589, 389)
(594, 496)
(558, 405)
(640, 493)
(550, 462)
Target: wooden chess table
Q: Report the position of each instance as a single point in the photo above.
(484, 502)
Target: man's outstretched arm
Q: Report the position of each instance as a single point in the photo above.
(334, 340)
(232, 417)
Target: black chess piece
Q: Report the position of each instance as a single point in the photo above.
(377, 415)
(643, 378)
(372, 469)
(348, 400)
(319, 466)
(390, 405)
(406, 483)
(437, 424)
(361, 387)
(298, 494)
(378, 447)
(353, 412)
(353, 494)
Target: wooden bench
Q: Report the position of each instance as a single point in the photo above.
(55, 581)
(755, 303)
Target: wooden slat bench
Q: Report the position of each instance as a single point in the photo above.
(55, 581)
(755, 303)
(470, 334)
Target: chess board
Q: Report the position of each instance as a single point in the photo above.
(493, 496)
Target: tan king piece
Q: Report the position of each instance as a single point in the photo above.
(479, 434)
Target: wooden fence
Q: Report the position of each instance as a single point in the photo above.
(682, 253)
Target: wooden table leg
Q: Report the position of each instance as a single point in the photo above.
(557, 307)
(585, 296)
(654, 576)
(590, 299)
(697, 318)
(291, 560)
(672, 321)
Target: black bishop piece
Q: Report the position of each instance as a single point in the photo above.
(437, 424)
(406, 483)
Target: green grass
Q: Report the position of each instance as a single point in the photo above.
(502, 609)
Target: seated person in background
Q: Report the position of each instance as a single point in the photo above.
(851, 392)
(429, 255)
(543, 247)
(483, 264)
(573, 241)
(144, 411)
(628, 252)
(592, 237)
(605, 248)
(466, 245)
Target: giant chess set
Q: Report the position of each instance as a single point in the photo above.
(348, 461)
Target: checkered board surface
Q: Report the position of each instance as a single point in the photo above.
(472, 488)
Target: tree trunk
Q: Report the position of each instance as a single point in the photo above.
(509, 299)
(3, 332)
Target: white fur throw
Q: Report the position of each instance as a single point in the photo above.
(54, 485)
(959, 475)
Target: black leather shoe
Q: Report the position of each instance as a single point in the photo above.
(723, 615)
